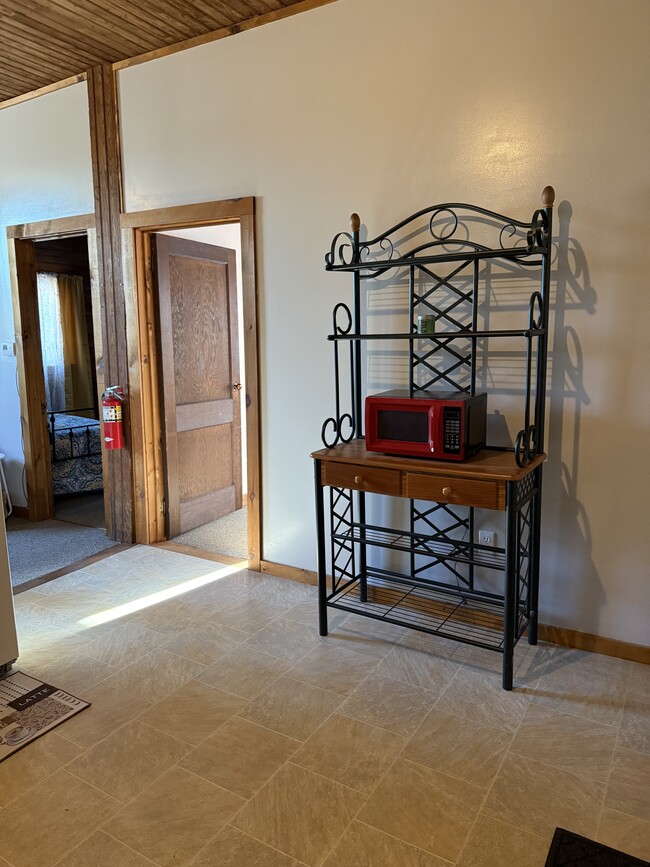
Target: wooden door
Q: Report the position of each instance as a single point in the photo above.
(197, 300)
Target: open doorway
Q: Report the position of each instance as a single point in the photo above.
(189, 471)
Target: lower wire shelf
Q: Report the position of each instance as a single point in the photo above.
(433, 610)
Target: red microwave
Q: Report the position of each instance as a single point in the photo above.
(447, 425)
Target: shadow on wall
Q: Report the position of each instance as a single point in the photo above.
(572, 578)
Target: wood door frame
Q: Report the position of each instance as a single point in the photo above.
(29, 362)
(144, 384)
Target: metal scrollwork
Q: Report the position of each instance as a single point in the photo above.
(537, 234)
(341, 252)
(526, 445)
(451, 225)
(510, 229)
(536, 301)
(332, 431)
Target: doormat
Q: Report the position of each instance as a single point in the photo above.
(568, 848)
(29, 708)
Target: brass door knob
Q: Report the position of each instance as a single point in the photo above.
(358, 480)
(446, 491)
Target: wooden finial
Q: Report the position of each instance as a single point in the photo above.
(355, 222)
(548, 197)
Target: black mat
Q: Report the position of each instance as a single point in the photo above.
(572, 850)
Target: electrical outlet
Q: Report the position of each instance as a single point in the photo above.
(9, 349)
(487, 538)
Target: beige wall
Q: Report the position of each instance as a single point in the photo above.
(369, 106)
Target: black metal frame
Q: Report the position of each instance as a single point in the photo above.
(76, 451)
(440, 533)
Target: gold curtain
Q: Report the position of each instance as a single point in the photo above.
(76, 351)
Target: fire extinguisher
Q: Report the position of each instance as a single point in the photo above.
(112, 417)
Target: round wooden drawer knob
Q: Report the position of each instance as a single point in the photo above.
(446, 491)
(358, 480)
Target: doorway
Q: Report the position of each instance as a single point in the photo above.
(216, 479)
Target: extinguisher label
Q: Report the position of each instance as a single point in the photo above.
(112, 413)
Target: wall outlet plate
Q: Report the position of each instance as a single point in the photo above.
(9, 349)
(487, 538)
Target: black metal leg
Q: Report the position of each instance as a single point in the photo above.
(510, 603)
(533, 590)
(363, 577)
(320, 552)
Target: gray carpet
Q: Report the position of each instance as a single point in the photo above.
(227, 535)
(38, 548)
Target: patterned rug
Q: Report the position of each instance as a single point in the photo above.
(29, 708)
(572, 850)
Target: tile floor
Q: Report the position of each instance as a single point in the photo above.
(224, 732)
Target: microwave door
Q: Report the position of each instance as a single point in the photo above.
(435, 440)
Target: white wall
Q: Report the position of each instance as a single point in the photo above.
(365, 106)
(45, 173)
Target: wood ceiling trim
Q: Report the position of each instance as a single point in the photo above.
(230, 30)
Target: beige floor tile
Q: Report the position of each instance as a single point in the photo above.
(124, 644)
(75, 673)
(495, 844)
(459, 747)
(334, 669)
(292, 708)
(28, 767)
(418, 667)
(634, 731)
(289, 592)
(248, 614)
(627, 833)
(206, 642)
(244, 672)
(350, 752)
(435, 645)
(80, 601)
(172, 820)
(574, 744)
(424, 808)
(307, 612)
(286, 639)
(364, 635)
(233, 848)
(51, 819)
(156, 675)
(478, 696)
(128, 760)
(110, 708)
(32, 618)
(638, 684)
(300, 813)
(389, 704)
(216, 595)
(101, 850)
(583, 691)
(538, 798)
(194, 711)
(172, 616)
(49, 647)
(629, 784)
(364, 846)
(240, 756)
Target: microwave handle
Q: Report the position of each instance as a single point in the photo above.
(435, 428)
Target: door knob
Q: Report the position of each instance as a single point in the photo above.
(446, 491)
(237, 386)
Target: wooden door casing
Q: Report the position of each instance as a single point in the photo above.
(197, 301)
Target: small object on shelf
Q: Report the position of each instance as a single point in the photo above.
(426, 324)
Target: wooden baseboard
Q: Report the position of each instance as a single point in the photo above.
(224, 559)
(552, 634)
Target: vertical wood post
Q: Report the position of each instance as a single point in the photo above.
(107, 183)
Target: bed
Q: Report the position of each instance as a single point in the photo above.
(76, 450)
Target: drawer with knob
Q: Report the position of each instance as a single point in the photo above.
(371, 479)
(450, 489)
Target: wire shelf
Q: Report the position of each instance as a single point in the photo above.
(425, 546)
(471, 621)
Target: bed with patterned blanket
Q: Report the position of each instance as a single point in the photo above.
(76, 449)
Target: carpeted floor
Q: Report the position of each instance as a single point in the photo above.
(228, 535)
(38, 548)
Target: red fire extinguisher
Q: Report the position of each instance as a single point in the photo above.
(112, 417)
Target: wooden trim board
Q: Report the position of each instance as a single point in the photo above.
(61, 227)
(73, 567)
(42, 91)
(223, 32)
(182, 216)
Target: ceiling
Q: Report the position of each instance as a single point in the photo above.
(46, 41)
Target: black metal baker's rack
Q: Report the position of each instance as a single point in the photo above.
(441, 534)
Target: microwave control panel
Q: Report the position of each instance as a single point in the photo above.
(451, 429)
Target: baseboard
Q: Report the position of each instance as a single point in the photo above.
(224, 559)
(552, 634)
